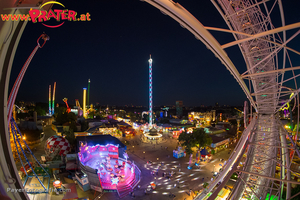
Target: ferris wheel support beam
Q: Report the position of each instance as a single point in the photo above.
(268, 177)
(272, 31)
(8, 171)
(272, 54)
(248, 35)
(270, 72)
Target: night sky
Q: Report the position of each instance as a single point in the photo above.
(113, 51)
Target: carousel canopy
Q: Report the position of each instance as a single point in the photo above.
(93, 140)
(153, 132)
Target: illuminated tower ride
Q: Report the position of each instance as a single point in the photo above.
(150, 91)
(88, 93)
(84, 103)
(50, 100)
(53, 98)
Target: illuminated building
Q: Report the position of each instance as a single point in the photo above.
(84, 103)
(179, 105)
(203, 117)
(150, 91)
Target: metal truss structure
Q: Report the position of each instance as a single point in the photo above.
(267, 147)
(262, 45)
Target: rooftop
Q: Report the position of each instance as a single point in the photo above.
(100, 139)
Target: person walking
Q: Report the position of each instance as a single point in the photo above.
(190, 192)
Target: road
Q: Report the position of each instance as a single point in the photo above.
(163, 158)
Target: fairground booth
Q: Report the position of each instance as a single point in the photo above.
(105, 166)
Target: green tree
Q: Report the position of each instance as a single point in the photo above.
(69, 135)
(132, 116)
(84, 125)
(187, 140)
(40, 111)
(198, 138)
(63, 117)
(73, 126)
(202, 139)
(146, 118)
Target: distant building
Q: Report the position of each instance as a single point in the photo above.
(206, 117)
(218, 143)
(179, 105)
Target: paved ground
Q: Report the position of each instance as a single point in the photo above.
(163, 159)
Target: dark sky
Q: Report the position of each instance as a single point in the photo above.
(113, 51)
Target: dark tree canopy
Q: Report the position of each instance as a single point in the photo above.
(198, 138)
(63, 117)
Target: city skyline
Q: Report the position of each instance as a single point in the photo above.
(112, 50)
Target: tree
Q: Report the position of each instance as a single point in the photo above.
(198, 138)
(145, 117)
(40, 111)
(63, 117)
(84, 125)
(202, 139)
(187, 140)
(132, 116)
(69, 135)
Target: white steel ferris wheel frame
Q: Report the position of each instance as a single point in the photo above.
(260, 44)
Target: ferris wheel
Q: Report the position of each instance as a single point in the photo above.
(269, 82)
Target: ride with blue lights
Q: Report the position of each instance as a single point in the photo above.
(150, 91)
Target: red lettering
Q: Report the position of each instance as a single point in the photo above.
(5, 17)
(24, 17)
(14, 17)
(88, 16)
(72, 15)
(34, 14)
(43, 16)
(64, 15)
(58, 14)
(51, 14)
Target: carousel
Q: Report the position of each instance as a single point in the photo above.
(115, 173)
(152, 136)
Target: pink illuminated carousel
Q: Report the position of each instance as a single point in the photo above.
(114, 173)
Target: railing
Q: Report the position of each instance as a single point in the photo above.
(231, 161)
